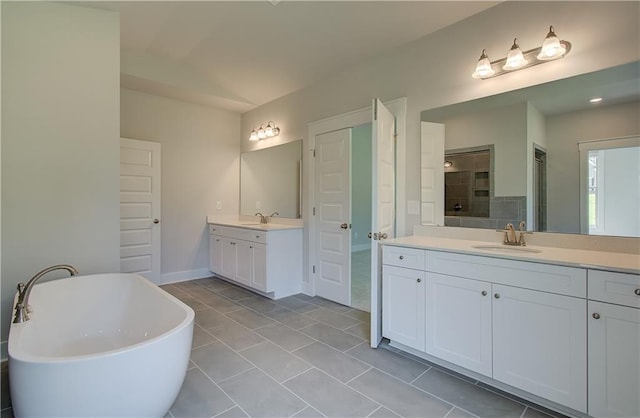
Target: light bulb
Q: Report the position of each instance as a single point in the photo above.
(551, 47)
(483, 68)
(261, 133)
(269, 129)
(515, 59)
(253, 136)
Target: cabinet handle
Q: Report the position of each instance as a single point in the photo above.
(484, 293)
(419, 280)
(596, 315)
(637, 292)
(497, 296)
(402, 258)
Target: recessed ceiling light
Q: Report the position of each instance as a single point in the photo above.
(595, 100)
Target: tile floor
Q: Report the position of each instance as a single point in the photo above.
(305, 356)
(361, 280)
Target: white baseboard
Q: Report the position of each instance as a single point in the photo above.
(360, 247)
(183, 276)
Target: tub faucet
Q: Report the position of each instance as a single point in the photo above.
(22, 306)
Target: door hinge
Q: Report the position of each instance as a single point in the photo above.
(314, 269)
(314, 211)
(314, 152)
(375, 110)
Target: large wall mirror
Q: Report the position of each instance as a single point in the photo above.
(516, 156)
(270, 180)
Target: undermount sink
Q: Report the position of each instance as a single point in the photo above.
(506, 249)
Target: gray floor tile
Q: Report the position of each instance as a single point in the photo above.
(330, 305)
(459, 413)
(332, 361)
(296, 304)
(383, 412)
(211, 319)
(275, 361)
(218, 361)
(200, 337)
(332, 318)
(329, 396)
(308, 412)
(260, 304)
(535, 413)
(199, 397)
(469, 397)
(392, 363)
(236, 293)
(260, 396)
(334, 337)
(234, 412)
(219, 303)
(360, 330)
(194, 303)
(304, 297)
(290, 318)
(284, 337)
(237, 336)
(401, 398)
(361, 316)
(217, 285)
(249, 318)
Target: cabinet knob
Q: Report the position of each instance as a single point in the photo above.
(484, 293)
(257, 236)
(596, 315)
(402, 258)
(637, 292)
(419, 280)
(497, 296)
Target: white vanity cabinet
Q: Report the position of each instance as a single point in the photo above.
(268, 261)
(518, 323)
(614, 344)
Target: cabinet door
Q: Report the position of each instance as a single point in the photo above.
(229, 258)
(458, 321)
(215, 253)
(539, 344)
(403, 306)
(614, 360)
(259, 274)
(244, 262)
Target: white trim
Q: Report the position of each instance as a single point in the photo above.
(183, 276)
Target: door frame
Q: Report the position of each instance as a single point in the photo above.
(398, 108)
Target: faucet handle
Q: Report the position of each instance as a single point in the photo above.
(274, 214)
(522, 226)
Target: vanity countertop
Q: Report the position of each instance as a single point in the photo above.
(602, 260)
(252, 224)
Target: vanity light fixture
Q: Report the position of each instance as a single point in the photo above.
(264, 132)
(552, 48)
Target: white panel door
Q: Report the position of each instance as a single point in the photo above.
(383, 204)
(540, 344)
(458, 324)
(432, 176)
(333, 216)
(140, 208)
(614, 360)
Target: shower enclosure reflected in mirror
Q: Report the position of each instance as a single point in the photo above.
(270, 180)
(535, 135)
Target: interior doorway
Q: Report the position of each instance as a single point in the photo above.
(361, 172)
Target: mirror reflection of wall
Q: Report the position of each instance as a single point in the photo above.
(466, 184)
(270, 180)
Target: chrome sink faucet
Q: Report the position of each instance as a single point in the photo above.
(22, 306)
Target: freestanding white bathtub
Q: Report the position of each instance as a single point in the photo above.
(111, 345)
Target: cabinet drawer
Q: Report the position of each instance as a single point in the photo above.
(570, 281)
(618, 288)
(403, 257)
(248, 234)
(217, 230)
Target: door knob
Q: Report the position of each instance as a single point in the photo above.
(384, 235)
(157, 221)
(369, 235)
(344, 226)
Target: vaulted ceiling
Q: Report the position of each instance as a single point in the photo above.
(241, 54)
